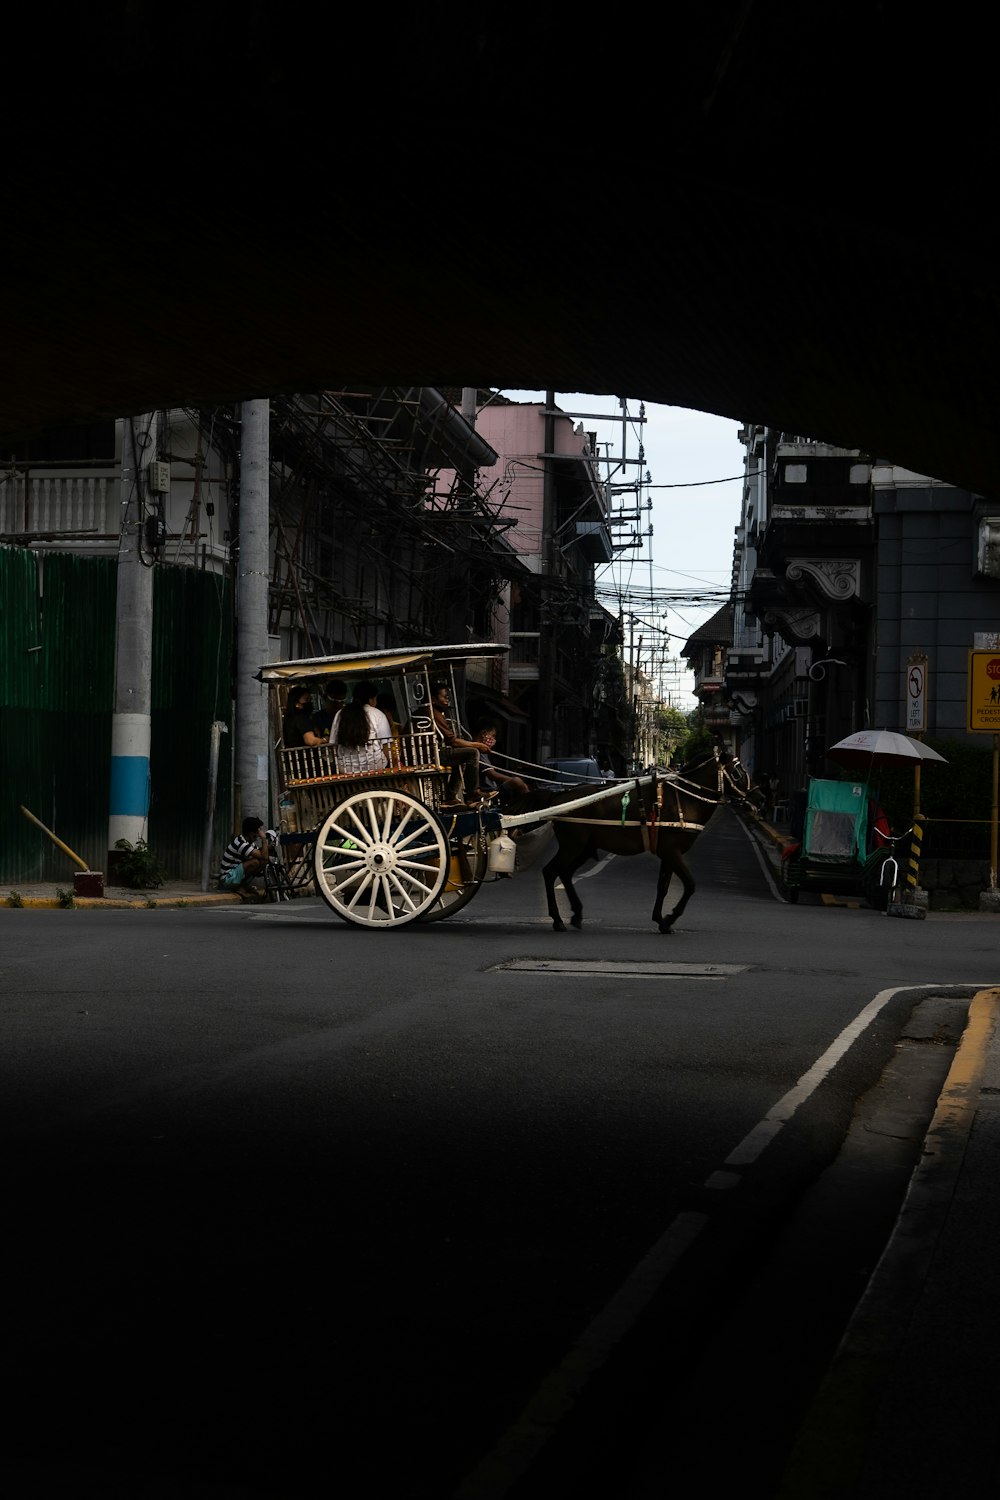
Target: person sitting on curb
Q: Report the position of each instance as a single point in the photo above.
(244, 858)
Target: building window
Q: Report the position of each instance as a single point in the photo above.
(796, 474)
(988, 549)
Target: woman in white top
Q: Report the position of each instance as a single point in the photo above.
(360, 733)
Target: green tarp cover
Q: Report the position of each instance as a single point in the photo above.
(836, 826)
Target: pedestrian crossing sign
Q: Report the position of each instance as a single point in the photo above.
(984, 692)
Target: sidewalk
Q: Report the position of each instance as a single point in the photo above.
(908, 1406)
(54, 894)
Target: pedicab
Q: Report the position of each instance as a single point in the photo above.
(385, 848)
(840, 843)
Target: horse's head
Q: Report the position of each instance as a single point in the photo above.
(735, 777)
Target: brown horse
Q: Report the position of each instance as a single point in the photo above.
(661, 813)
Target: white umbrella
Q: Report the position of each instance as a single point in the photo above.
(869, 748)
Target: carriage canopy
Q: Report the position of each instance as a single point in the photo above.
(386, 662)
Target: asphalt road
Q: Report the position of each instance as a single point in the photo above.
(299, 1209)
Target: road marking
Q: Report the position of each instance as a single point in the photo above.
(625, 969)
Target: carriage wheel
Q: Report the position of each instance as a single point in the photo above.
(381, 859)
(466, 871)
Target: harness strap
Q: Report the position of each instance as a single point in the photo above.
(642, 816)
(631, 823)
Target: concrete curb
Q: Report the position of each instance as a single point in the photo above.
(113, 903)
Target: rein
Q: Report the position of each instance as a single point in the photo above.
(650, 821)
(651, 824)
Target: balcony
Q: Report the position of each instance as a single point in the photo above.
(81, 507)
(79, 511)
(525, 646)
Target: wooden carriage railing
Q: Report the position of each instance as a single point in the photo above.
(410, 754)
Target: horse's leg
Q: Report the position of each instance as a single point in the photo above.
(672, 864)
(563, 868)
(566, 876)
(549, 874)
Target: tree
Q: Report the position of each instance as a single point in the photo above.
(671, 729)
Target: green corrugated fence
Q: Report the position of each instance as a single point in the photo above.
(56, 697)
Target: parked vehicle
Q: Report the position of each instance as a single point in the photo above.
(576, 768)
(841, 844)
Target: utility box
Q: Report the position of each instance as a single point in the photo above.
(88, 883)
(158, 477)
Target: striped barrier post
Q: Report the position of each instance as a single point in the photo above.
(913, 866)
(905, 903)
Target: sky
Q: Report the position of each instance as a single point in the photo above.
(680, 575)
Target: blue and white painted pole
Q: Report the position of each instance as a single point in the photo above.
(130, 725)
(130, 786)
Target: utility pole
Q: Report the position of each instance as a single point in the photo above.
(631, 692)
(251, 759)
(128, 803)
(461, 584)
(547, 633)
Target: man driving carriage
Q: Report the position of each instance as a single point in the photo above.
(460, 754)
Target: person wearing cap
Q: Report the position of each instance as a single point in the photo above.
(334, 698)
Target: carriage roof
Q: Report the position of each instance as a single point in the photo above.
(387, 662)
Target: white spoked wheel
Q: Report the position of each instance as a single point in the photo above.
(381, 859)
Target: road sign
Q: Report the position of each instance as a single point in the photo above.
(984, 692)
(915, 694)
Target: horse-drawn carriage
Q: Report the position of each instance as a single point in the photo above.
(386, 850)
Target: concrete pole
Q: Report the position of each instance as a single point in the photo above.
(215, 739)
(253, 573)
(128, 805)
(546, 607)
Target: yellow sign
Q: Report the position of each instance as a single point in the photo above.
(984, 692)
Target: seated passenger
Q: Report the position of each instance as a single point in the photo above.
(334, 697)
(512, 790)
(297, 728)
(361, 733)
